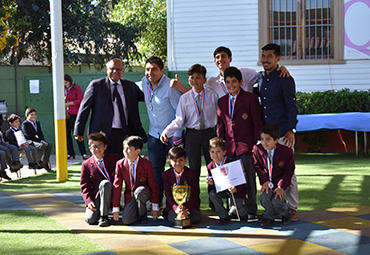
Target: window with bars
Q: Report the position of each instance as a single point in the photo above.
(303, 29)
(306, 30)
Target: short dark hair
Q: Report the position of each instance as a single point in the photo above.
(272, 46)
(134, 141)
(271, 129)
(13, 117)
(197, 69)
(176, 152)
(98, 137)
(222, 49)
(155, 60)
(29, 110)
(217, 142)
(233, 72)
(67, 77)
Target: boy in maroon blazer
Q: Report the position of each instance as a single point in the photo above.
(97, 175)
(179, 174)
(275, 166)
(239, 120)
(217, 150)
(140, 183)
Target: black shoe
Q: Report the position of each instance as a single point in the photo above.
(45, 166)
(223, 221)
(38, 166)
(16, 166)
(266, 222)
(233, 216)
(5, 176)
(104, 221)
(33, 166)
(143, 219)
(286, 220)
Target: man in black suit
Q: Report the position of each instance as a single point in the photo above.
(114, 108)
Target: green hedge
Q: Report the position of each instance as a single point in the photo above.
(329, 102)
(333, 101)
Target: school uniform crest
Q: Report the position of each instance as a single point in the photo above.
(244, 116)
(142, 179)
(281, 163)
(224, 170)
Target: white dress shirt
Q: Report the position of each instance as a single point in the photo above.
(116, 116)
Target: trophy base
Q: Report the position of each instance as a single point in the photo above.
(182, 223)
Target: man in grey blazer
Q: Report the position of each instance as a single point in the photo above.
(114, 108)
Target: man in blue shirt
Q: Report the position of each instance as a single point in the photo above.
(279, 106)
(161, 102)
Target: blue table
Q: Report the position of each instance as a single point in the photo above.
(353, 121)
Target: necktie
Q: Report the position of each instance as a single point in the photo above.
(178, 177)
(117, 97)
(232, 104)
(132, 170)
(201, 119)
(269, 155)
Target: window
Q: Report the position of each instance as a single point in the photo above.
(306, 30)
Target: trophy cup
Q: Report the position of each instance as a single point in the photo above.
(181, 194)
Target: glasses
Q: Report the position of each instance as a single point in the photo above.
(116, 69)
(94, 147)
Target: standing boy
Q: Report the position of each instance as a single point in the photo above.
(28, 149)
(140, 183)
(179, 174)
(275, 166)
(97, 175)
(33, 133)
(198, 110)
(217, 150)
(238, 123)
(279, 106)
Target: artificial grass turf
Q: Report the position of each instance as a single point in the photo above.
(31, 232)
(325, 180)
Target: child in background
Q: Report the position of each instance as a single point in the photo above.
(28, 149)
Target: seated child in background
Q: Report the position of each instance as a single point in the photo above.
(274, 164)
(179, 174)
(11, 155)
(32, 131)
(217, 150)
(3, 166)
(140, 183)
(29, 150)
(97, 175)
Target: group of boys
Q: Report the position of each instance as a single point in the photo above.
(227, 104)
(29, 139)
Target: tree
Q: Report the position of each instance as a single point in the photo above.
(150, 18)
(87, 30)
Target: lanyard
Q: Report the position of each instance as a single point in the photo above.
(232, 108)
(269, 164)
(103, 170)
(14, 130)
(132, 178)
(151, 93)
(177, 176)
(34, 125)
(197, 109)
(223, 86)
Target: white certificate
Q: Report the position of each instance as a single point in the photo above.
(20, 137)
(229, 174)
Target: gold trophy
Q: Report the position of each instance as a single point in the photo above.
(181, 194)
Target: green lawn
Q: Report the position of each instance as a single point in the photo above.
(324, 181)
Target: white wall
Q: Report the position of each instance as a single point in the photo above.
(196, 28)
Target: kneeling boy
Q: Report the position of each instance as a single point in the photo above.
(179, 174)
(217, 150)
(97, 175)
(274, 164)
(140, 182)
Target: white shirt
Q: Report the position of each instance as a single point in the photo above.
(116, 116)
(249, 79)
(186, 111)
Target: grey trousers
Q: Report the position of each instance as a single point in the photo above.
(42, 149)
(30, 152)
(217, 201)
(11, 153)
(137, 206)
(272, 204)
(2, 160)
(195, 216)
(102, 203)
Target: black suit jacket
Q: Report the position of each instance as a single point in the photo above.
(98, 99)
(30, 133)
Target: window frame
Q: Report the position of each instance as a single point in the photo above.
(263, 35)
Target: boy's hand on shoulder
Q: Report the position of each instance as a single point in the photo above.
(116, 216)
(284, 71)
(279, 191)
(164, 139)
(265, 186)
(175, 83)
(155, 214)
(289, 139)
